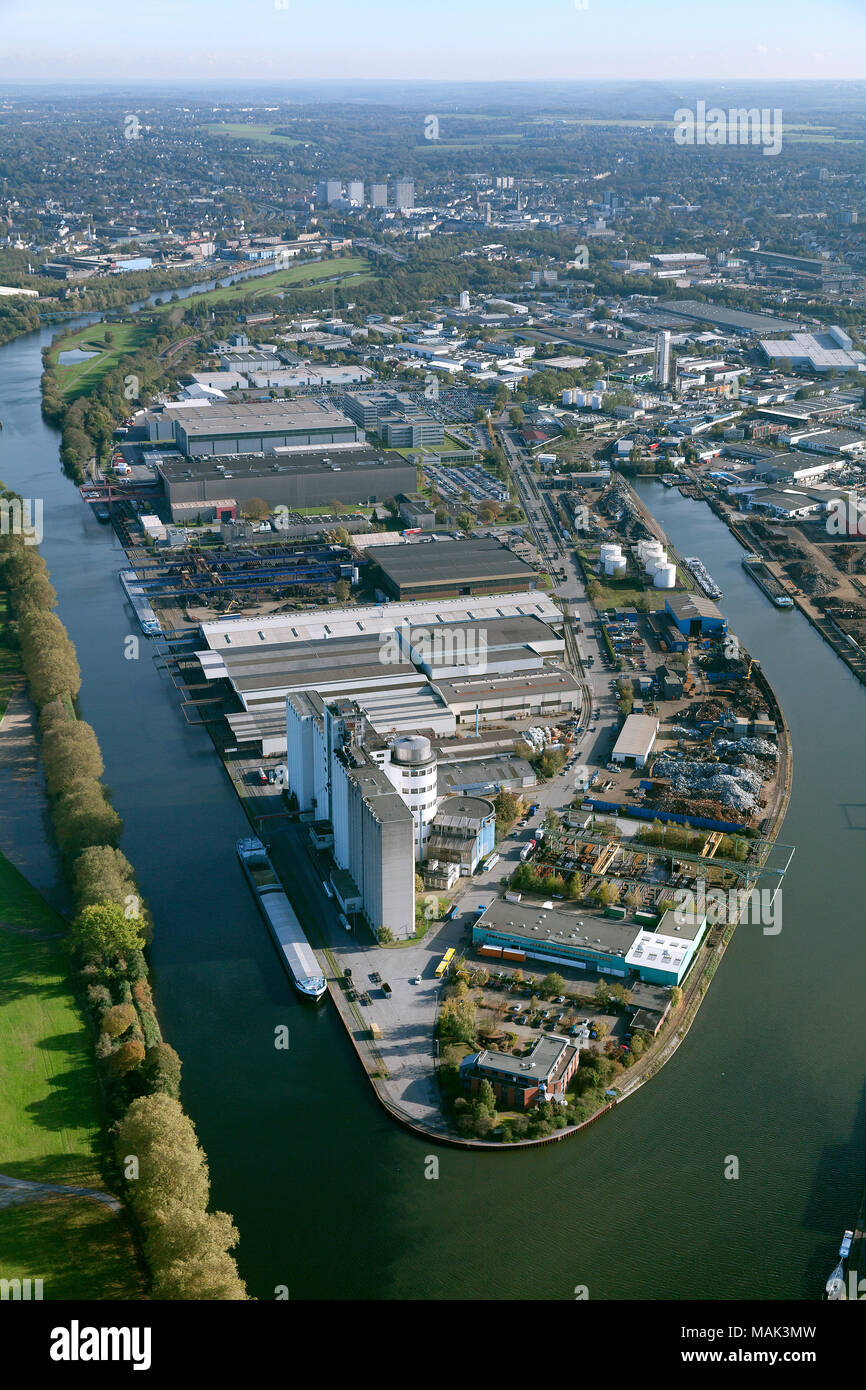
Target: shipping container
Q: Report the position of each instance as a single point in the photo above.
(508, 954)
(618, 912)
(493, 952)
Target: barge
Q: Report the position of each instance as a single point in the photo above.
(756, 567)
(296, 953)
(147, 619)
(704, 581)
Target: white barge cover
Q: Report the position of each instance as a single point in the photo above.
(289, 934)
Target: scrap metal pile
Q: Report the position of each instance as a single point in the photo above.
(735, 787)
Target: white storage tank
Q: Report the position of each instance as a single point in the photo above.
(617, 570)
(665, 577)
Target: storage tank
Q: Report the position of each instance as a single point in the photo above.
(617, 569)
(665, 577)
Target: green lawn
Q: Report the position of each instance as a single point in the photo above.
(335, 268)
(50, 1110)
(256, 134)
(81, 1249)
(76, 378)
(51, 1113)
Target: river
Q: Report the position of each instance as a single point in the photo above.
(329, 1195)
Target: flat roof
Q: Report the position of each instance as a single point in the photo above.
(550, 1053)
(274, 465)
(229, 634)
(453, 562)
(637, 736)
(308, 413)
(727, 318)
(549, 925)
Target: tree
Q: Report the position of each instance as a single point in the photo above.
(101, 874)
(508, 808)
(676, 996)
(172, 1167)
(342, 590)
(83, 817)
(457, 1021)
(126, 1057)
(162, 1067)
(103, 930)
(486, 1099)
(118, 1019)
(574, 887)
(70, 751)
(601, 995)
(551, 821)
(552, 985)
(256, 508)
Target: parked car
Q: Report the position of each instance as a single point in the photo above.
(263, 776)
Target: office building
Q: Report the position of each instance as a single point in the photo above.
(662, 358)
(379, 195)
(404, 197)
(355, 191)
(519, 1082)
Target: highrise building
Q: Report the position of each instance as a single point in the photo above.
(330, 191)
(464, 299)
(355, 191)
(662, 358)
(405, 194)
(379, 195)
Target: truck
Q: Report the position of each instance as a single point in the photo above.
(526, 851)
(386, 990)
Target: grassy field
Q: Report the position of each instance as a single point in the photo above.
(336, 269)
(80, 1249)
(256, 134)
(76, 378)
(51, 1112)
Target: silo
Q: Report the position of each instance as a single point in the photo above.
(665, 577)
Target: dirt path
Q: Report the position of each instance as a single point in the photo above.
(16, 1191)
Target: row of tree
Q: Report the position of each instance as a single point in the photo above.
(187, 1246)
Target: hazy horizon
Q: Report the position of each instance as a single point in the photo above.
(488, 40)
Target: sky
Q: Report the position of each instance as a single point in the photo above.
(126, 40)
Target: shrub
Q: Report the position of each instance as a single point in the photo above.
(162, 1068)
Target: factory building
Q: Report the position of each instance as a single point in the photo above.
(408, 667)
(607, 943)
(464, 832)
(695, 615)
(356, 808)
(357, 474)
(206, 426)
(449, 569)
(636, 740)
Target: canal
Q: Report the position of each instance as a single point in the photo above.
(329, 1195)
